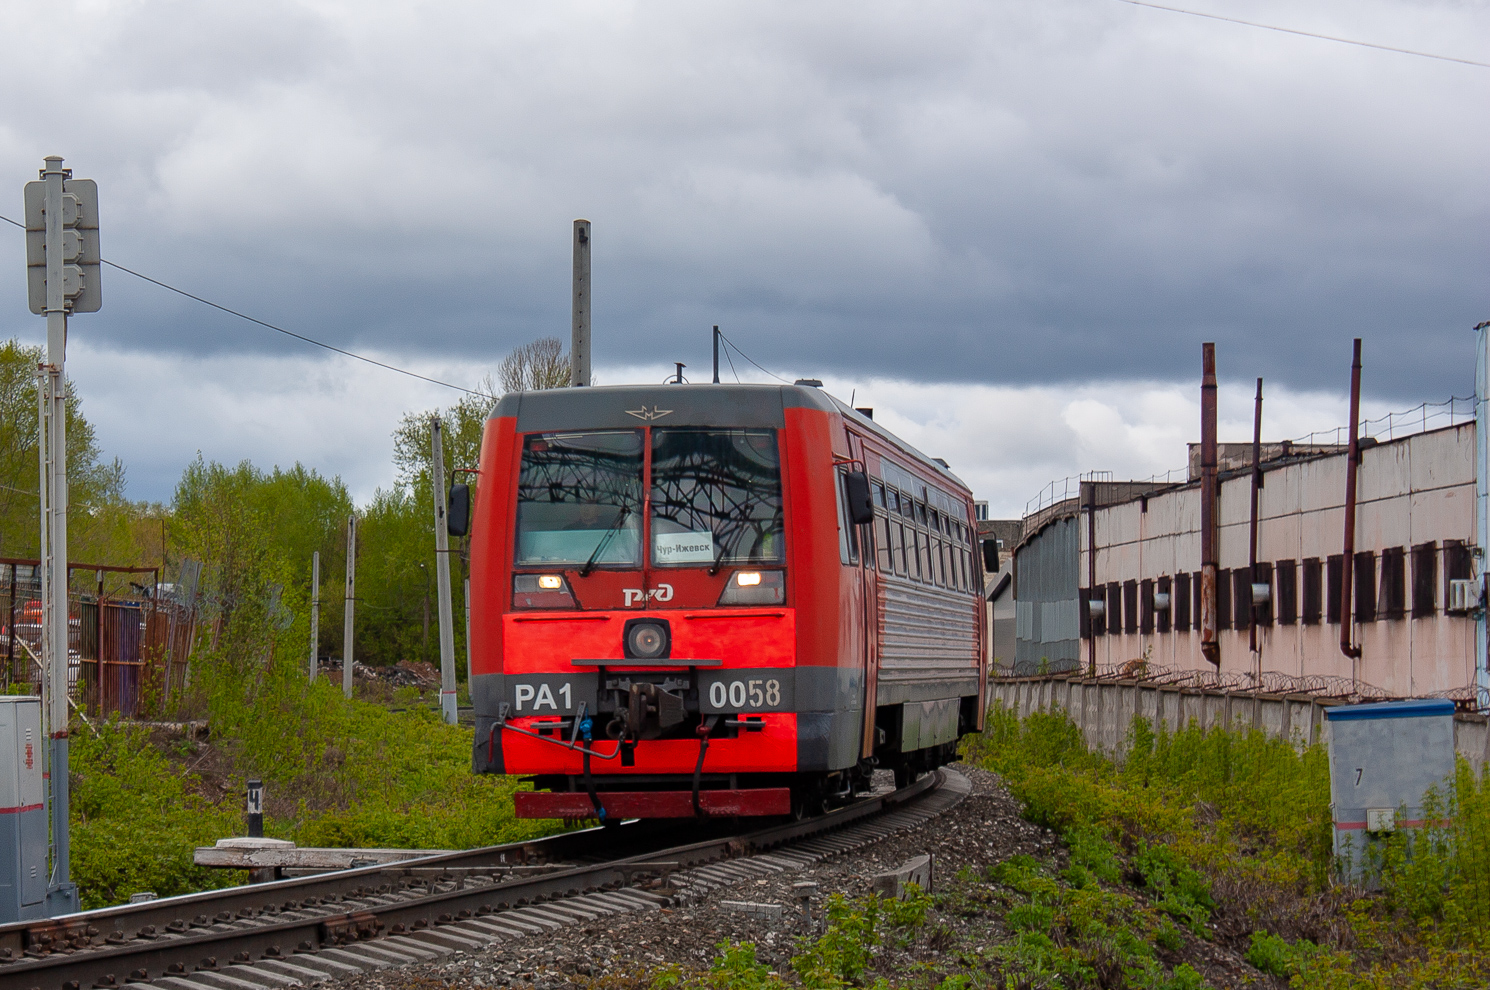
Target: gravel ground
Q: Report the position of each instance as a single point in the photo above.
(619, 951)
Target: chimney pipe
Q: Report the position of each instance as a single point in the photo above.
(1347, 561)
(1210, 647)
(1252, 534)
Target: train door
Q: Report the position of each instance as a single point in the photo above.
(867, 608)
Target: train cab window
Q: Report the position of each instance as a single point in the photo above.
(716, 497)
(848, 534)
(579, 499)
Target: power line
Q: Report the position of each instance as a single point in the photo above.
(271, 326)
(751, 359)
(1308, 34)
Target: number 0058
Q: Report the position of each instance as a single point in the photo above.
(754, 693)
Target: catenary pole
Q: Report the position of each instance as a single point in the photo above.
(346, 632)
(716, 354)
(442, 573)
(468, 630)
(315, 611)
(579, 344)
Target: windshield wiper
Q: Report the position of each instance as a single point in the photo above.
(610, 534)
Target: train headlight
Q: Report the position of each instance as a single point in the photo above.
(754, 588)
(646, 639)
(541, 591)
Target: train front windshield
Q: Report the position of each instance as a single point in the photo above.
(715, 498)
(579, 499)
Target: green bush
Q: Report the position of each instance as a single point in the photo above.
(1192, 812)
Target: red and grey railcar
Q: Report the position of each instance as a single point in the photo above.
(715, 600)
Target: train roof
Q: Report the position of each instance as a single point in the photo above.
(623, 406)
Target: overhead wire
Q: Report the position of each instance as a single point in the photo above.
(1307, 34)
(751, 359)
(289, 333)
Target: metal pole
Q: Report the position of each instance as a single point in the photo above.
(442, 574)
(62, 895)
(346, 632)
(1347, 561)
(1210, 645)
(579, 345)
(315, 612)
(43, 565)
(467, 583)
(1252, 528)
(716, 354)
(1091, 577)
(1482, 497)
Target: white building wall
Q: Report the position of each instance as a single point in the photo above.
(1416, 490)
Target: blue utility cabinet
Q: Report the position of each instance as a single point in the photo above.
(1383, 758)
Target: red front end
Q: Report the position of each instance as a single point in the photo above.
(662, 624)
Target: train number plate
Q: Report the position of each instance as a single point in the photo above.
(550, 694)
(746, 691)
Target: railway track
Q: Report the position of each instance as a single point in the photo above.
(299, 931)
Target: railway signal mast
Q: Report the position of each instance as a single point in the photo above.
(62, 277)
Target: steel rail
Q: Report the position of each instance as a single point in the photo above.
(255, 931)
(19, 936)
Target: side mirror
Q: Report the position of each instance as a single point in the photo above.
(458, 510)
(990, 554)
(856, 492)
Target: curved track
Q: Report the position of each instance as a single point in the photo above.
(296, 931)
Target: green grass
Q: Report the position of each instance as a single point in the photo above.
(357, 775)
(1229, 836)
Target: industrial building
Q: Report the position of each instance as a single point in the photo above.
(1109, 579)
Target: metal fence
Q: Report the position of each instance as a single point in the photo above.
(127, 654)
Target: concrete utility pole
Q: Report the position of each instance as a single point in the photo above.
(62, 275)
(346, 632)
(442, 574)
(579, 345)
(315, 611)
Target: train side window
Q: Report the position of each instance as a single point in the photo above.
(879, 494)
(882, 541)
(848, 534)
(897, 546)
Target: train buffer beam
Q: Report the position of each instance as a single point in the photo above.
(576, 805)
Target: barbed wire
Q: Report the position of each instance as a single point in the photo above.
(1453, 411)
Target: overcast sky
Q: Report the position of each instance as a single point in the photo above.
(1007, 225)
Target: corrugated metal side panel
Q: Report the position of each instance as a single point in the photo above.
(1049, 616)
(925, 630)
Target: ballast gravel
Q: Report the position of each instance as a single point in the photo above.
(622, 950)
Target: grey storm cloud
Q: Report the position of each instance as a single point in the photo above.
(990, 192)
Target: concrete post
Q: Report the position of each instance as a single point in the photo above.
(579, 345)
(442, 574)
(346, 632)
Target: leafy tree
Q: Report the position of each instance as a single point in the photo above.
(97, 520)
